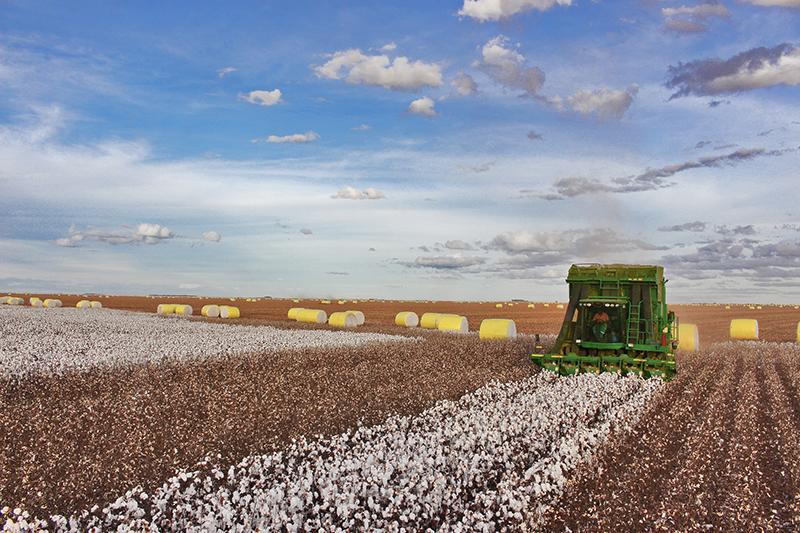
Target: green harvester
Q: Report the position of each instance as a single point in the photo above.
(616, 321)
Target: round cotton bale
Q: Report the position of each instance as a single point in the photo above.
(184, 310)
(210, 311)
(453, 324)
(343, 319)
(51, 303)
(498, 328)
(35, 302)
(798, 332)
(96, 305)
(531, 306)
(499, 306)
(547, 305)
(229, 311)
(727, 307)
(407, 319)
(560, 306)
(312, 316)
(165, 309)
(342, 302)
(83, 304)
(14, 301)
(296, 301)
(359, 316)
(688, 337)
(292, 314)
(744, 329)
(429, 320)
(325, 302)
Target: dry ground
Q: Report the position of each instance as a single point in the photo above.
(776, 323)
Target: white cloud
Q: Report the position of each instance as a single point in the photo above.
(225, 71)
(464, 84)
(144, 233)
(263, 98)
(307, 137)
(699, 10)
(447, 262)
(508, 67)
(422, 106)
(361, 127)
(306, 231)
(389, 47)
(603, 103)
(401, 74)
(351, 193)
(212, 236)
(485, 10)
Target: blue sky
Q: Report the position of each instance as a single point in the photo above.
(449, 150)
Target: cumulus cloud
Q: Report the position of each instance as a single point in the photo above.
(306, 231)
(263, 98)
(422, 106)
(508, 67)
(532, 135)
(603, 103)
(458, 244)
(464, 84)
(351, 193)
(295, 138)
(144, 233)
(651, 179)
(212, 236)
(486, 10)
(225, 71)
(446, 262)
(399, 73)
(389, 47)
(695, 226)
(361, 127)
(573, 242)
(749, 229)
(692, 19)
(753, 69)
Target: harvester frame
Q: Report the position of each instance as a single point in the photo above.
(616, 320)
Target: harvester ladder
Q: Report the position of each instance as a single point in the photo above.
(634, 324)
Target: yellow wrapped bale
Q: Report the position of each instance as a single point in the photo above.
(35, 302)
(429, 320)
(343, 319)
(51, 303)
(531, 306)
(312, 316)
(229, 311)
(798, 332)
(407, 319)
(210, 311)
(744, 329)
(560, 306)
(453, 324)
(325, 302)
(688, 337)
(292, 314)
(11, 300)
(498, 328)
(499, 306)
(84, 304)
(165, 309)
(359, 317)
(183, 310)
(96, 305)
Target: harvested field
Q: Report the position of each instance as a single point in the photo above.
(776, 323)
(718, 449)
(495, 458)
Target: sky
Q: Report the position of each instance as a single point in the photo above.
(457, 149)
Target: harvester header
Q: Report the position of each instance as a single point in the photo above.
(616, 321)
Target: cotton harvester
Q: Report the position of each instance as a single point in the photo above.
(616, 321)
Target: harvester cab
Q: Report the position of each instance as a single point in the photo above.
(616, 321)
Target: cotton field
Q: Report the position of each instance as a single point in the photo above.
(498, 457)
(60, 340)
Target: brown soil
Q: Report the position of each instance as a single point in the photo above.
(776, 323)
(717, 450)
(73, 441)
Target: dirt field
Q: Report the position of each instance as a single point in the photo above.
(719, 450)
(776, 323)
